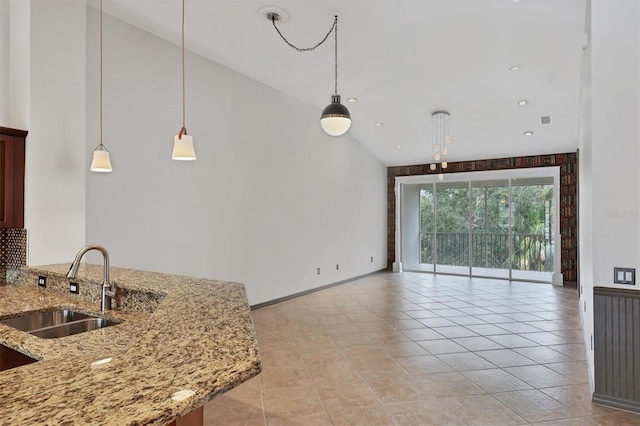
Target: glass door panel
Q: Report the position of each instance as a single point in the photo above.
(532, 228)
(427, 228)
(490, 228)
(452, 227)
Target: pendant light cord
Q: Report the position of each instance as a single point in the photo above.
(183, 78)
(335, 33)
(101, 144)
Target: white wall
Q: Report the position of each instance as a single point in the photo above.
(56, 157)
(270, 197)
(611, 179)
(585, 200)
(42, 90)
(19, 63)
(4, 63)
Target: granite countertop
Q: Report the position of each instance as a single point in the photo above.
(199, 338)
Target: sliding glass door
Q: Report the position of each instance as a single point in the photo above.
(490, 226)
(452, 227)
(532, 228)
(501, 227)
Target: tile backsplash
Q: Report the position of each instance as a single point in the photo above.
(13, 250)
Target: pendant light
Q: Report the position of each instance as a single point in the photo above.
(183, 143)
(335, 119)
(440, 138)
(101, 161)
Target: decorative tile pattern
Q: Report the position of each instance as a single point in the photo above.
(13, 250)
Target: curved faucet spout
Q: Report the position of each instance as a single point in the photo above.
(108, 289)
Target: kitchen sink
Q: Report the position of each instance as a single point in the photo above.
(57, 323)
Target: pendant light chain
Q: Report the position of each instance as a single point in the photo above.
(274, 17)
(183, 78)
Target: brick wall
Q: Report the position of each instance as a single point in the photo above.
(568, 163)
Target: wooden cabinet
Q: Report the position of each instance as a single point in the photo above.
(12, 151)
(12, 359)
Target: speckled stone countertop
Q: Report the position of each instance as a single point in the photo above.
(200, 337)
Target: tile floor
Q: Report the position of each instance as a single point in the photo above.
(419, 349)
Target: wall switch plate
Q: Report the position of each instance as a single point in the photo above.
(371, 259)
(624, 276)
(42, 281)
(74, 288)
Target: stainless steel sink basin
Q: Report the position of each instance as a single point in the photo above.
(57, 323)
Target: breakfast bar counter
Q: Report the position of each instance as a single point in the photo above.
(179, 341)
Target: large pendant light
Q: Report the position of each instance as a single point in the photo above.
(183, 143)
(101, 161)
(335, 119)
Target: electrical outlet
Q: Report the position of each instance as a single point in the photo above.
(585, 306)
(337, 266)
(74, 288)
(318, 271)
(371, 259)
(42, 281)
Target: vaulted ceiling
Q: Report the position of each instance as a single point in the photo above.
(403, 60)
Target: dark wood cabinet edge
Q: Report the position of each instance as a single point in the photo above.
(13, 132)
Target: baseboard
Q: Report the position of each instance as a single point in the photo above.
(313, 290)
(612, 401)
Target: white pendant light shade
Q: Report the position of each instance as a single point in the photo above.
(432, 167)
(335, 126)
(335, 119)
(101, 161)
(183, 148)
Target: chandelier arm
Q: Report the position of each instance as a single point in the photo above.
(304, 49)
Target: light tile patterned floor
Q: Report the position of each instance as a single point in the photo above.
(419, 349)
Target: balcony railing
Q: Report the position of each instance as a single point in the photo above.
(530, 252)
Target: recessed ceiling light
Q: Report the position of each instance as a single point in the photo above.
(379, 124)
(528, 133)
(514, 68)
(352, 100)
(523, 102)
(398, 146)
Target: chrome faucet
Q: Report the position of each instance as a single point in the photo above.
(108, 289)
